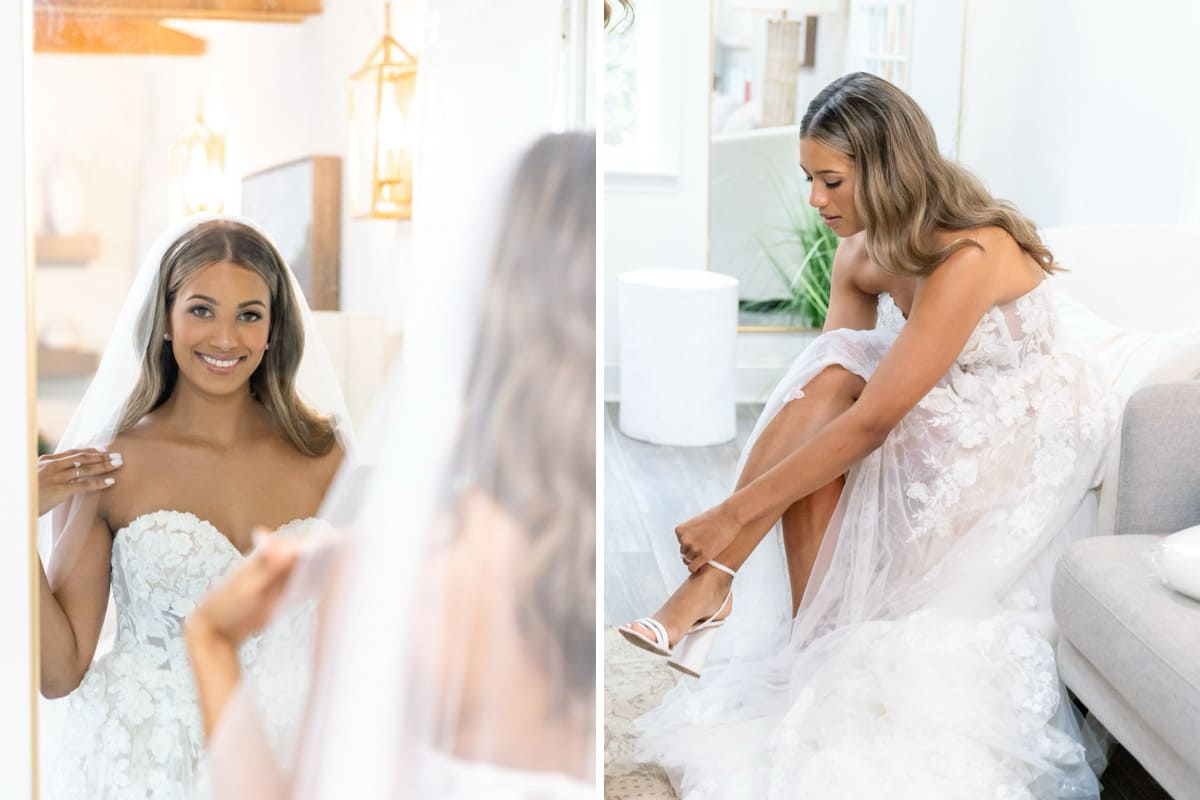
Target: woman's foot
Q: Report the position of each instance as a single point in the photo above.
(698, 598)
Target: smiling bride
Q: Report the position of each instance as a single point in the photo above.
(205, 414)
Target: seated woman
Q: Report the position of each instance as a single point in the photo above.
(918, 465)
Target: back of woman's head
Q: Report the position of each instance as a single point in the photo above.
(273, 382)
(528, 441)
(905, 190)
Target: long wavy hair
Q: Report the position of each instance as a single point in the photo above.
(529, 436)
(273, 382)
(906, 191)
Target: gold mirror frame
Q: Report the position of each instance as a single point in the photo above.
(17, 27)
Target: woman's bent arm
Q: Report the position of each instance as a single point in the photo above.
(946, 309)
(73, 600)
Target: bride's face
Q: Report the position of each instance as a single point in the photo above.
(832, 176)
(219, 324)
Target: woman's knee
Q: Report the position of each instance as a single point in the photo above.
(835, 381)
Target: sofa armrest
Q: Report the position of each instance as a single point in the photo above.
(1158, 487)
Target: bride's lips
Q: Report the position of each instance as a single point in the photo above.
(829, 220)
(219, 365)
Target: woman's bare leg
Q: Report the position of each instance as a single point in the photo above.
(826, 396)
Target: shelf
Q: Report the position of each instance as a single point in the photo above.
(55, 363)
(79, 249)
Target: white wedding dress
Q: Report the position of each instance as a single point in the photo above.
(133, 727)
(920, 664)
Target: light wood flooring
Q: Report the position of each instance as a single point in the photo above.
(648, 490)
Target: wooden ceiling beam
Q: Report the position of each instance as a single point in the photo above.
(239, 10)
(53, 33)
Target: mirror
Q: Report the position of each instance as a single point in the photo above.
(141, 113)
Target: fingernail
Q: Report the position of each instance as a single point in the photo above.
(257, 536)
(115, 458)
(109, 481)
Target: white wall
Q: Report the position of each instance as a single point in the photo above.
(17, 707)
(935, 76)
(663, 221)
(1085, 111)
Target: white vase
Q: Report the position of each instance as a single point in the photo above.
(66, 199)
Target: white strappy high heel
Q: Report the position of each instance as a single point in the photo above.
(690, 652)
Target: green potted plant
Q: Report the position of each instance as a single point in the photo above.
(801, 254)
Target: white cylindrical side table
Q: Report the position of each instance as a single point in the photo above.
(678, 329)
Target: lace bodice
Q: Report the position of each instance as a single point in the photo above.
(134, 728)
(1005, 335)
(163, 565)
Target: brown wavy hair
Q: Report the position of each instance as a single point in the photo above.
(906, 191)
(274, 381)
(529, 437)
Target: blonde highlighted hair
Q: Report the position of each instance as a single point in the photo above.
(273, 382)
(905, 190)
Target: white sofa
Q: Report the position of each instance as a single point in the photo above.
(1128, 647)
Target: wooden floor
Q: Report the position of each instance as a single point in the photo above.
(649, 489)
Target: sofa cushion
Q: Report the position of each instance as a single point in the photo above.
(1140, 636)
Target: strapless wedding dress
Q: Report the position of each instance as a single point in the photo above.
(133, 727)
(921, 662)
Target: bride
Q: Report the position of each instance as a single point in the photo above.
(205, 417)
(915, 470)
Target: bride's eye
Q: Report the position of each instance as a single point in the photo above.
(250, 316)
(200, 311)
(833, 185)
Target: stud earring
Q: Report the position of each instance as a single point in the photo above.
(166, 337)
(268, 347)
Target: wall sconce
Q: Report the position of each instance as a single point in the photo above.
(380, 153)
(196, 169)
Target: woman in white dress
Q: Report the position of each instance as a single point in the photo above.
(915, 470)
(462, 664)
(214, 440)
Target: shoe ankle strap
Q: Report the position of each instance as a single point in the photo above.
(730, 572)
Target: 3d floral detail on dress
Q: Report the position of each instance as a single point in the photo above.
(133, 726)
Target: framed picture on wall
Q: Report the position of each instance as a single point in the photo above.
(299, 204)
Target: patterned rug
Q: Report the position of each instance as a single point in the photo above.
(634, 682)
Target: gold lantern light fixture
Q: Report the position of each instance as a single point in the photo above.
(196, 168)
(380, 154)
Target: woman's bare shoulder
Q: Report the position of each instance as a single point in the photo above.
(143, 436)
(850, 260)
(328, 464)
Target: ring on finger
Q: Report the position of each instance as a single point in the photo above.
(77, 466)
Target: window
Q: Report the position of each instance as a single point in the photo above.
(881, 39)
(641, 119)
